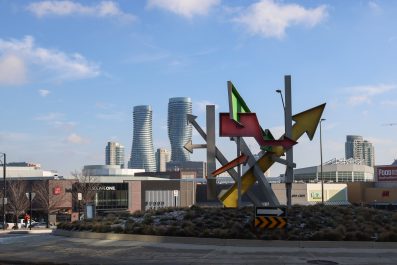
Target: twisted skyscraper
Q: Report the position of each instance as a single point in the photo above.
(179, 131)
(142, 152)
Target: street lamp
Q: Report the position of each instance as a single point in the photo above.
(287, 107)
(281, 95)
(321, 163)
(4, 190)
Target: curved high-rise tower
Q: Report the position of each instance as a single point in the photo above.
(142, 151)
(179, 131)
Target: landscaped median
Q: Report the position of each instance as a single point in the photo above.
(305, 223)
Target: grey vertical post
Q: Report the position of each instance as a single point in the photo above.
(288, 133)
(31, 217)
(238, 142)
(4, 191)
(211, 152)
(321, 164)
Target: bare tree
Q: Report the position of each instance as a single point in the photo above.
(17, 201)
(85, 184)
(49, 204)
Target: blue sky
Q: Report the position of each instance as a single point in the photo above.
(71, 71)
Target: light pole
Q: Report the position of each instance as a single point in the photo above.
(281, 95)
(289, 172)
(321, 163)
(4, 190)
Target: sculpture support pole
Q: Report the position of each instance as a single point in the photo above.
(211, 153)
(238, 142)
(289, 173)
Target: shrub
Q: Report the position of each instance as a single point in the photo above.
(138, 214)
(147, 219)
(388, 236)
(117, 229)
(101, 228)
(328, 234)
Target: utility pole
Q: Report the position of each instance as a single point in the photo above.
(4, 191)
(289, 173)
(211, 152)
(321, 162)
(239, 201)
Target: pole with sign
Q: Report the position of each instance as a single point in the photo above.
(270, 217)
(176, 194)
(79, 198)
(30, 196)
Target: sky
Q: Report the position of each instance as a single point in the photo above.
(72, 71)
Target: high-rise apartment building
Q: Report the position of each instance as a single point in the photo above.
(162, 157)
(142, 152)
(369, 153)
(358, 148)
(179, 130)
(114, 154)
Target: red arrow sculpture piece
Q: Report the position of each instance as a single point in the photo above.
(235, 162)
(248, 126)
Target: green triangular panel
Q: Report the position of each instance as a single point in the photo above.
(236, 103)
(267, 135)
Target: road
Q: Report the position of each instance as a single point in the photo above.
(49, 249)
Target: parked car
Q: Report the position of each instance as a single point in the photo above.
(22, 224)
(39, 225)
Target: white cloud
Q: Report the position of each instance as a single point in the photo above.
(76, 139)
(380, 141)
(269, 18)
(64, 125)
(112, 116)
(103, 105)
(200, 106)
(66, 8)
(364, 94)
(7, 137)
(391, 103)
(12, 70)
(44, 92)
(49, 117)
(374, 7)
(63, 66)
(185, 8)
(55, 119)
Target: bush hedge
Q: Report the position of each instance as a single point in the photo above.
(317, 222)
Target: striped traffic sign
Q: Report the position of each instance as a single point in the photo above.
(270, 222)
(270, 217)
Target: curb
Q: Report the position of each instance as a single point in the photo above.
(227, 242)
(38, 231)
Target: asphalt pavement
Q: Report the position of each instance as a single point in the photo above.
(55, 250)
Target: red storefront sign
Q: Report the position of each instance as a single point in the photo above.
(386, 173)
(57, 191)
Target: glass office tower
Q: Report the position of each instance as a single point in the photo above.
(142, 151)
(179, 131)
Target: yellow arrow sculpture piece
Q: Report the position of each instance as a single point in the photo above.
(305, 122)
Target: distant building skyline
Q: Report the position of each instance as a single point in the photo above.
(163, 156)
(179, 130)
(200, 167)
(114, 154)
(358, 148)
(142, 151)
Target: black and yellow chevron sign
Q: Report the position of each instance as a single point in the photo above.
(270, 222)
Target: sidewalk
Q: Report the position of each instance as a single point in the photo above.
(228, 242)
(27, 231)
